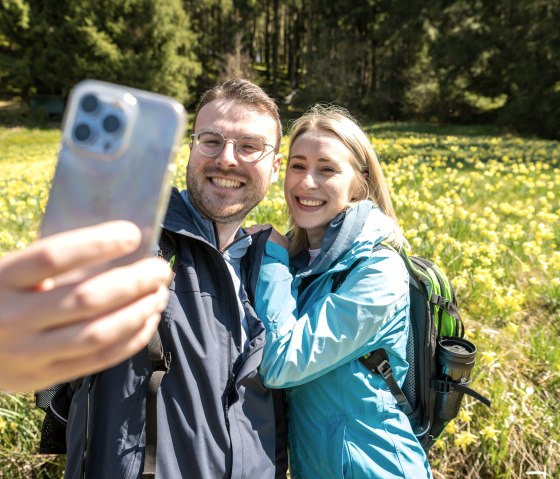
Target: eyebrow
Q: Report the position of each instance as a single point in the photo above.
(323, 159)
(250, 135)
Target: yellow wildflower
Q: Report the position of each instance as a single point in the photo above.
(464, 415)
(451, 428)
(490, 433)
(488, 357)
(464, 439)
(512, 328)
(439, 444)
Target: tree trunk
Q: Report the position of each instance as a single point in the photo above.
(275, 41)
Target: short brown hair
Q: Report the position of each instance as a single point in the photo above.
(246, 93)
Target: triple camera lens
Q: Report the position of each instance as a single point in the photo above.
(89, 119)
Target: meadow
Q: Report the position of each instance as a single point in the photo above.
(485, 207)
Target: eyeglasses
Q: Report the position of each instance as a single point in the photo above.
(248, 148)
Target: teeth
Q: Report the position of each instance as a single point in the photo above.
(226, 183)
(311, 202)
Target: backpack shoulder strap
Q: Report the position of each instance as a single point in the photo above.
(378, 363)
(168, 249)
(161, 362)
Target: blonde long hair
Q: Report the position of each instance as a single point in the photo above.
(370, 181)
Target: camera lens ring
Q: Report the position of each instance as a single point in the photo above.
(112, 124)
(89, 103)
(83, 133)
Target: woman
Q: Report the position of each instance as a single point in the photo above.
(344, 421)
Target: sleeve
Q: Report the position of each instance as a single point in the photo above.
(368, 311)
(276, 303)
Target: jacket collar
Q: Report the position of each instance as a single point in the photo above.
(183, 218)
(349, 235)
(339, 237)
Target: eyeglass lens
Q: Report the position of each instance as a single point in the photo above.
(211, 143)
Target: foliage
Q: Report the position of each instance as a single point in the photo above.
(359, 54)
(20, 425)
(456, 61)
(485, 206)
(48, 46)
(497, 57)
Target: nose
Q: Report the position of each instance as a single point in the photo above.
(309, 182)
(227, 157)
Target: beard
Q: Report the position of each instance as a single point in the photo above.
(230, 206)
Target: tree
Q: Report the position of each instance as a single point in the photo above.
(500, 58)
(49, 45)
(449, 60)
(359, 53)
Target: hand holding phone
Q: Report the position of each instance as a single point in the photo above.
(52, 331)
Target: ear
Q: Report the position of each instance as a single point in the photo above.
(276, 162)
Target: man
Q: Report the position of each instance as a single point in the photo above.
(51, 331)
(215, 419)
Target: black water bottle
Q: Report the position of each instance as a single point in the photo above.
(455, 360)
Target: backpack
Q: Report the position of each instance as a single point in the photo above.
(440, 359)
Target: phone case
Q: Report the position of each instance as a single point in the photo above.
(115, 160)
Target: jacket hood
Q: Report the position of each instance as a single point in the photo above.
(350, 235)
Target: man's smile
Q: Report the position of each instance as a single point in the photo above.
(226, 183)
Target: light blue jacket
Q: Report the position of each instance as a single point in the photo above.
(344, 421)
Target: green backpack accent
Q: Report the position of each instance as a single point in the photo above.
(440, 359)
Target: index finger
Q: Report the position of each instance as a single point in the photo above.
(53, 255)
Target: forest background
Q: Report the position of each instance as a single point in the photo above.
(461, 100)
(461, 61)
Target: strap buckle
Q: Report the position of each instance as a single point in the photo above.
(384, 368)
(440, 301)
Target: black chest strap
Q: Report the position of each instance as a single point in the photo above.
(161, 361)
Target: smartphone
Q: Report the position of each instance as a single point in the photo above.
(115, 160)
